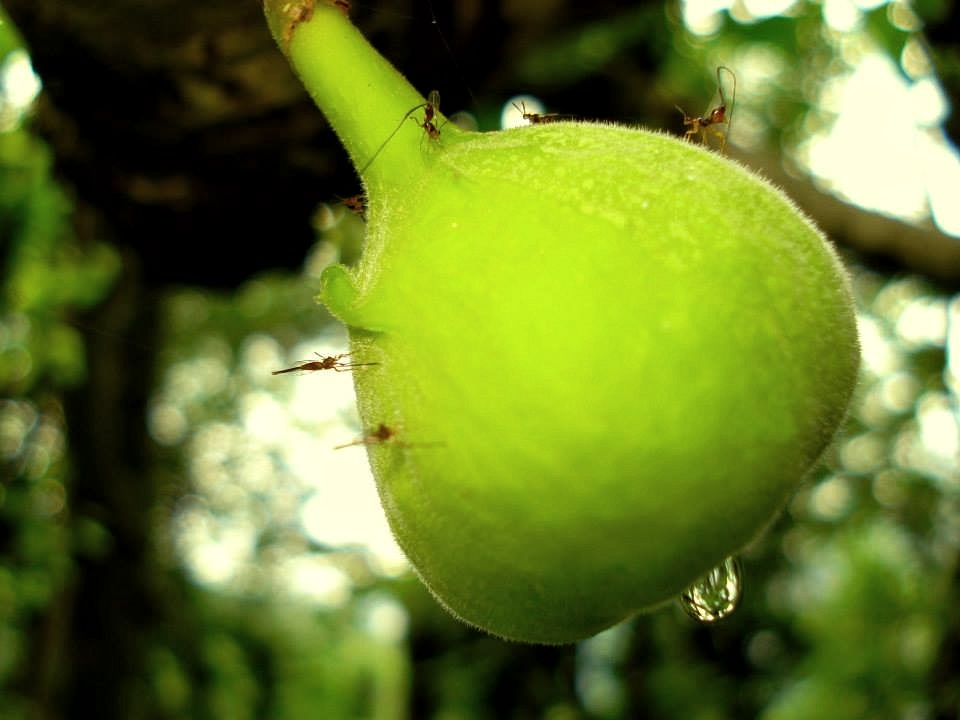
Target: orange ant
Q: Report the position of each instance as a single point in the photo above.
(431, 108)
(383, 433)
(343, 6)
(328, 362)
(357, 204)
(538, 118)
(703, 126)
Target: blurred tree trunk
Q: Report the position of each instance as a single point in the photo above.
(115, 606)
(181, 125)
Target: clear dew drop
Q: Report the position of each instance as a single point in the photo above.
(715, 595)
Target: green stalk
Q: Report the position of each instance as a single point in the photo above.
(362, 95)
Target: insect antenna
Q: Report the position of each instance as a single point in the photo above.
(728, 108)
(390, 136)
(430, 109)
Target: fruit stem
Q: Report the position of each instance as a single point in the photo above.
(361, 94)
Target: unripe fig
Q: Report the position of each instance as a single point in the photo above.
(605, 357)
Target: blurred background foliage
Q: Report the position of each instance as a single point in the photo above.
(233, 565)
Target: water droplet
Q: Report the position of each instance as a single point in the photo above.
(715, 595)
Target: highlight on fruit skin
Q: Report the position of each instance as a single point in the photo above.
(615, 354)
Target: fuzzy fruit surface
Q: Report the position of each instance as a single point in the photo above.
(609, 357)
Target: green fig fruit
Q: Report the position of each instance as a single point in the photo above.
(605, 357)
